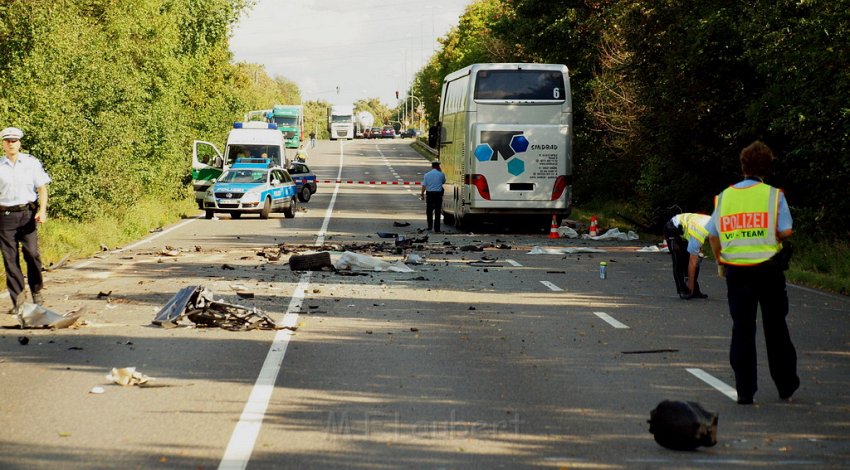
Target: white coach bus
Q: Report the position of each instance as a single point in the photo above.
(506, 143)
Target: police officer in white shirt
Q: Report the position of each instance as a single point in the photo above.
(23, 204)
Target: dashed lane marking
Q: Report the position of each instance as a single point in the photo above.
(611, 320)
(551, 286)
(718, 384)
(513, 263)
(244, 437)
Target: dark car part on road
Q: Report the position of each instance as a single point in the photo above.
(311, 262)
(198, 305)
(683, 425)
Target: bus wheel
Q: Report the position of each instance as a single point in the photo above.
(267, 208)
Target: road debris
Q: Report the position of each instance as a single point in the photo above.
(36, 316)
(554, 250)
(613, 234)
(126, 376)
(58, 265)
(350, 260)
(414, 259)
(169, 251)
(198, 305)
(401, 224)
(649, 351)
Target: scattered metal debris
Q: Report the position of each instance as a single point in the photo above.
(36, 316)
(125, 376)
(401, 224)
(170, 251)
(649, 351)
(198, 305)
(58, 265)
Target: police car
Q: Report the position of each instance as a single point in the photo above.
(305, 180)
(252, 186)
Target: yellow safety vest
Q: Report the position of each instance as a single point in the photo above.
(693, 226)
(746, 221)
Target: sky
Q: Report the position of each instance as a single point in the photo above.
(367, 48)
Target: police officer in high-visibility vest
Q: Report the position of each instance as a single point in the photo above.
(749, 223)
(685, 234)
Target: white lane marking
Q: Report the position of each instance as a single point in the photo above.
(610, 320)
(551, 286)
(244, 436)
(513, 263)
(718, 384)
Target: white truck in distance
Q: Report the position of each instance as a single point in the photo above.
(341, 122)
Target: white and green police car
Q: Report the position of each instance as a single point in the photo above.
(252, 186)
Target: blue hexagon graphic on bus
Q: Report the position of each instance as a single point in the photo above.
(483, 152)
(519, 143)
(516, 167)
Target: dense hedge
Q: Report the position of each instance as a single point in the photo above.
(111, 93)
(667, 92)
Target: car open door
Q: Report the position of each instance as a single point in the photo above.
(207, 165)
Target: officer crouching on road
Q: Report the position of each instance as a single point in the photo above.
(685, 235)
(749, 223)
(23, 204)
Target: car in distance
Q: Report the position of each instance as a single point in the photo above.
(375, 133)
(388, 132)
(252, 186)
(305, 180)
(411, 133)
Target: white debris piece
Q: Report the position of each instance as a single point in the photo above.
(127, 376)
(567, 232)
(613, 234)
(554, 250)
(350, 260)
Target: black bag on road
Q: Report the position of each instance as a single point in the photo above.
(683, 425)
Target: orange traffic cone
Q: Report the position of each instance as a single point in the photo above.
(594, 227)
(553, 232)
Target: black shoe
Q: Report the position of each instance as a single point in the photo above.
(37, 298)
(685, 295)
(699, 295)
(437, 231)
(745, 401)
(787, 394)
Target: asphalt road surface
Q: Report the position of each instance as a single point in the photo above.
(478, 359)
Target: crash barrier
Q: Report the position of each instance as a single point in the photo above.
(409, 183)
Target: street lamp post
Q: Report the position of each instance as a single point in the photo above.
(418, 106)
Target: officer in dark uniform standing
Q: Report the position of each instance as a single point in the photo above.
(749, 223)
(23, 204)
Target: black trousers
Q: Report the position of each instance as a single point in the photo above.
(748, 287)
(679, 252)
(433, 209)
(20, 228)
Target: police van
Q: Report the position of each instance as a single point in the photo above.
(506, 143)
(253, 139)
(252, 186)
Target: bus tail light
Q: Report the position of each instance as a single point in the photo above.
(480, 182)
(561, 184)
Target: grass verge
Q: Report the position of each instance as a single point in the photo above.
(58, 238)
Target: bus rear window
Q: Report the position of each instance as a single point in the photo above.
(545, 85)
